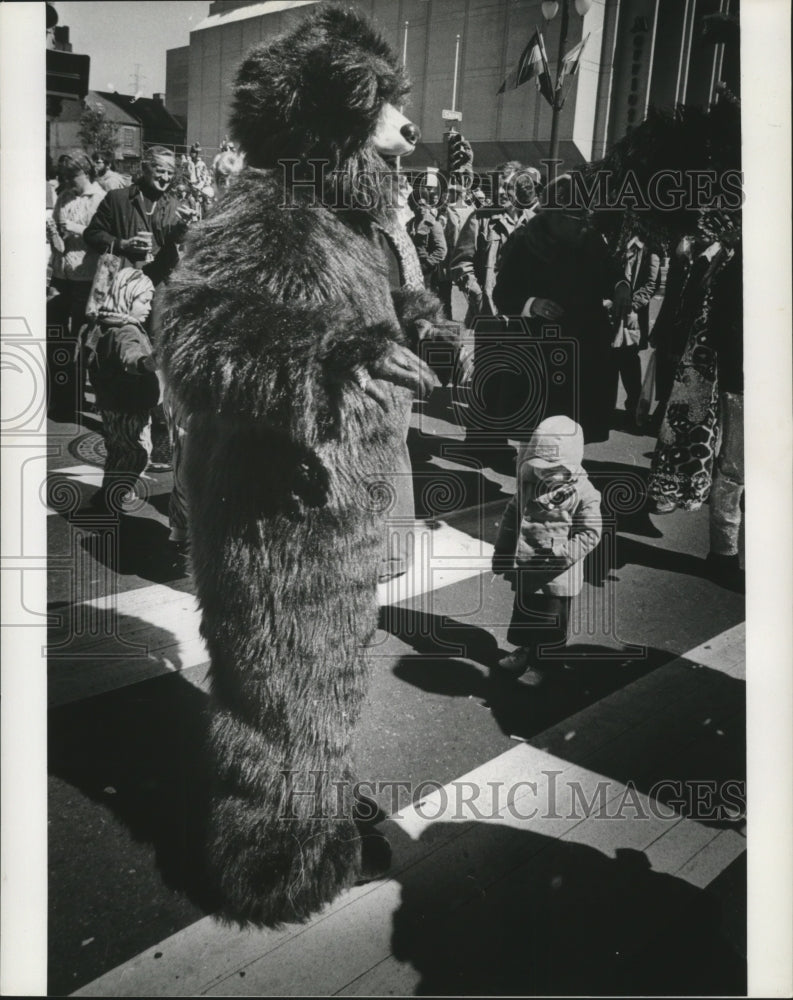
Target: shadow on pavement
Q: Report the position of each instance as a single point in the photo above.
(691, 727)
(518, 913)
(142, 549)
(441, 492)
(588, 674)
(137, 758)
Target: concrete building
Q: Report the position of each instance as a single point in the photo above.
(177, 76)
(639, 52)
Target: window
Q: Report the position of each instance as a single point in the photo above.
(128, 136)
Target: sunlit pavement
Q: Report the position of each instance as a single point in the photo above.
(615, 873)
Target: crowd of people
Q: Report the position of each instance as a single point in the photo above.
(535, 279)
(119, 238)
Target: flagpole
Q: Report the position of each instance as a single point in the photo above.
(553, 153)
(456, 65)
(398, 159)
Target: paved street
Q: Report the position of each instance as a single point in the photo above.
(552, 840)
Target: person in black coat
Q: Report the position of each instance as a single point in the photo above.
(556, 272)
(143, 223)
(641, 271)
(493, 415)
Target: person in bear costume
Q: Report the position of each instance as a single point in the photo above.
(290, 334)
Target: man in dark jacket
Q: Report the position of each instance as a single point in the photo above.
(556, 272)
(479, 246)
(430, 243)
(142, 223)
(475, 263)
(641, 272)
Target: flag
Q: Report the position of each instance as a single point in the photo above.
(532, 65)
(572, 60)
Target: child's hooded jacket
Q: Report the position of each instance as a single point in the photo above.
(545, 531)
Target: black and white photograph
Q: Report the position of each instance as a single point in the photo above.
(396, 589)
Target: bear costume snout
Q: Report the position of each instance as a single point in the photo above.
(395, 134)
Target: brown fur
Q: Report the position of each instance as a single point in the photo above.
(265, 319)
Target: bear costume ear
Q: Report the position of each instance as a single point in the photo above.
(317, 90)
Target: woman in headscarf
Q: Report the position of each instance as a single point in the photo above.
(123, 374)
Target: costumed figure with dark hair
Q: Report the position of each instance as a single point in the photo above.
(289, 336)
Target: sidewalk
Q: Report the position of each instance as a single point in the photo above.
(483, 898)
(491, 900)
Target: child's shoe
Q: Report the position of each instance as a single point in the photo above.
(516, 663)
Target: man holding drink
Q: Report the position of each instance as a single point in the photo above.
(143, 223)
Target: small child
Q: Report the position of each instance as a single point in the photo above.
(123, 373)
(547, 530)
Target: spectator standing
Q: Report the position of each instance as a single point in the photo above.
(728, 479)
(641, 273)
(106, 176)
(670, 332)
(427, 234)
(557, 272)
(547, 530)
(74, 261)
(476, 260)
(123, 374)
(198, 176)
(182, 168)
(143, 223)
(453, 213)
(681, 471)
(481, 241)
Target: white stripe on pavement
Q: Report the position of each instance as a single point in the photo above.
(348, 947)
(115, 640)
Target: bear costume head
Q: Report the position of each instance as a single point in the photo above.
(327, 91)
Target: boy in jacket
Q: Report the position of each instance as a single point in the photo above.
(547, 530)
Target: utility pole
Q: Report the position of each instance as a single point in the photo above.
(136, 79)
